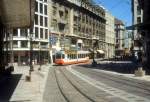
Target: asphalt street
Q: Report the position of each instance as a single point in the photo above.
(136, 87)
(73, 83)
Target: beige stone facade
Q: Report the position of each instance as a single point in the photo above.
(110, 36)
(76, 23)
(120, 37)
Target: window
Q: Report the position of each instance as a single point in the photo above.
(31, 30)
(58, 56)
(41, 32)
(79, 56)
(139, 20)
(15, 58)
(24, 32)
(46, 21)
(54, 10)
(75, 19)
(41, 8)
(61, 14)
(138, 10)
(15, 44)
(36, 19)
(63, 56)
(15, 32)
(24, 44)
(36, 6)
(54, 24)
(46, 33)
(68, 56)
(66, 13)
(41, 21)
(45, 9)
(36, 32)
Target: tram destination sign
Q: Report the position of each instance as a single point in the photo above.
(17, 13)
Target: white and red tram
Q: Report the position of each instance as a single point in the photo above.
(71, 57)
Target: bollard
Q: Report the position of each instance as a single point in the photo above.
(28, 78)
(140, 72)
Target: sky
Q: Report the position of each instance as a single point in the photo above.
(121, 9)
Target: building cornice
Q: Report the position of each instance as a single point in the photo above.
(83, 8)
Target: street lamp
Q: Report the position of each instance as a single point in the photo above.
(31, 54)
(28, 78)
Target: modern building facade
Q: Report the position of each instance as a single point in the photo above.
(144, 28)
(120, 31)
(75, 24)
(110, 35)
(37, 38)
(137, 14)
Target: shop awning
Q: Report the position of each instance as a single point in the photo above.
(79, 41)
(100, 51)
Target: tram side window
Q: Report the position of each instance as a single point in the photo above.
(75, 56)
(79, 56)
(63, 56)
(71, 56)
(68, 56)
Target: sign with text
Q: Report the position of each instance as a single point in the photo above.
(17, 13)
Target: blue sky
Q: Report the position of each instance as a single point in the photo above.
(121, 9)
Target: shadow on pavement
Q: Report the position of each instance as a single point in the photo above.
(7, 87)
(126, 68)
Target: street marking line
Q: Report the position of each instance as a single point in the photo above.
(117, 93)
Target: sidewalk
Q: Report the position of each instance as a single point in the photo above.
(30, 91)
(131, 76)
(120, 63)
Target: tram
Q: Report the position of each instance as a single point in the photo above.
(71, 57)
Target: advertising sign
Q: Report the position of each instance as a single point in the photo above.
(17, 13)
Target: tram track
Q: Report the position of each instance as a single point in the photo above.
(70, 92)
(61, 91)
(122, 81)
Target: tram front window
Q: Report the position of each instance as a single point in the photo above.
(60, 56)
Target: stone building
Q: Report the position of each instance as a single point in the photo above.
(110, 35)
(120, 31)
(76, 24)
